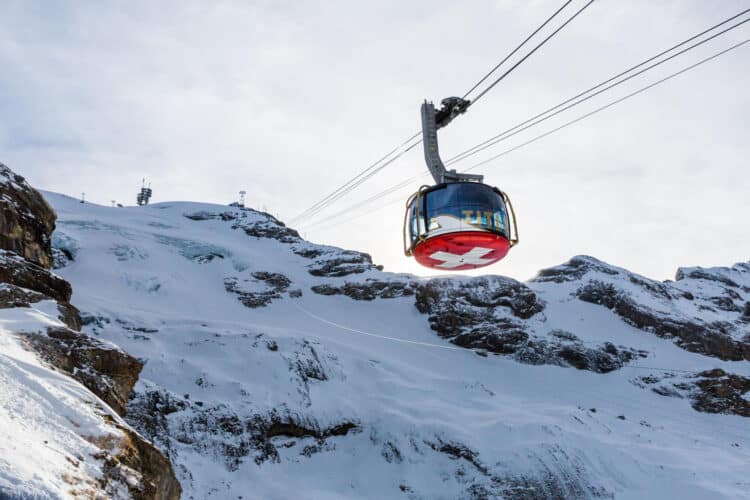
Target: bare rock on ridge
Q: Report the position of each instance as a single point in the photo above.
(26, 219)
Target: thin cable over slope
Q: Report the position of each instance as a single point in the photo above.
(530, 141)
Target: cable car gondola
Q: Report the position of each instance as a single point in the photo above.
(459, 223)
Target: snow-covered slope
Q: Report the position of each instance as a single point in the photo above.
(275, 368)
(56, 436)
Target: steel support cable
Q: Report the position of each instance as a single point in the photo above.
(516, 49)
(607, 106)
(351, 184)
(556, 109)
(567, 124)
(366, 177)
(492, 141)
(539, 45)
(322, 226)
(342, 188)
(521, 127)
(362, 203)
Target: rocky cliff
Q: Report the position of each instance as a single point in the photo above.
(36, 314)
(26, 219)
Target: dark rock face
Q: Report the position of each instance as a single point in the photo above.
(333, 262)
(455, 305)
(26, 274)
(159, 481)
(370, 289)
(721, 392)
(23, 283)
(272, 285)
(14, 296)
(711, 391)
(199, 216)
(681, 311)
(573, 270)
(253, 223)
(26, 219)
(271, 227)
(719, 276)
(223, 433)
(492, 313)
(104, 369)
(711, 339)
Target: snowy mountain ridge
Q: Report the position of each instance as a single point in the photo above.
(274, 366)
(271, 367)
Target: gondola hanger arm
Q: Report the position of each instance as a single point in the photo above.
(432, 120)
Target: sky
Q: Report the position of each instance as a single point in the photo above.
(289, 100)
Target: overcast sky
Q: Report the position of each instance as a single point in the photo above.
(289, 99)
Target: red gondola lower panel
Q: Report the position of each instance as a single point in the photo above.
(460, 251)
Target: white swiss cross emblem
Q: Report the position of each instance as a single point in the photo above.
(473, 257)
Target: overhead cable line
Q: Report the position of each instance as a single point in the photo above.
(539, 45)
(607, 106)
(343, 188)
(555, 110)
(472, 89)
(561, 127)
(385, 161)
(370, 174)
(364, 202)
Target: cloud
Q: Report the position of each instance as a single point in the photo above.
(288, 100)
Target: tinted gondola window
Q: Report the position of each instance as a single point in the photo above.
(414, 224)
(465, 206)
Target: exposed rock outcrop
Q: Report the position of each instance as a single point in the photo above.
(711, 391)
(252, 222)
(492, 314)
(259, 290)
(681, 310)
(270, 227)
(370, 289)
(104, 369)
(26, 219)
(229, 436)
(20, 272)
(331, 262)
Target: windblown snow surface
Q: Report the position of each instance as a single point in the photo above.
(257, 387)
(53, 430)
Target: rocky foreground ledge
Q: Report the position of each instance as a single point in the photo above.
(103, 454)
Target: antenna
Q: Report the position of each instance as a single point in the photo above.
(83, 197)
(144, 196)
(242, 198)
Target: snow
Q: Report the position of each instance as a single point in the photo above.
(48, 419)
(139, 280)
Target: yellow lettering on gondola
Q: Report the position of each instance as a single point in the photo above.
(467, 215)
(487, 218)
